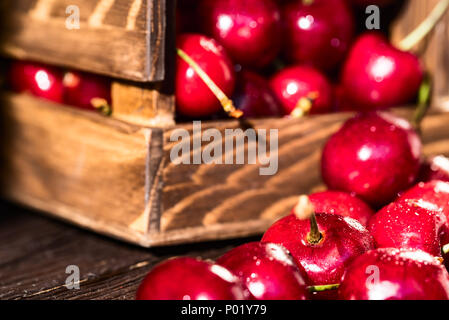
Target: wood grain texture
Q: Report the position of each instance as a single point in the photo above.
(35, 251)
(118, 38)
(142, 104)
(82, 167)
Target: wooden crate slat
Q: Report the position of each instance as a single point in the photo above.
(118, 38)
(142, 104)
(80, 166)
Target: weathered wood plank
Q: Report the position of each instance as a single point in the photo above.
(142, 104)
(35, 251)
(118, 38)
(80, 166)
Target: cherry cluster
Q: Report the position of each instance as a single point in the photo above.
(288, 58)
(75, 88)
(334, 245)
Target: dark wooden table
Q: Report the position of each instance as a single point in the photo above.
(35, 251)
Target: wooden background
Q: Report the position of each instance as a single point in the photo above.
(118, 38)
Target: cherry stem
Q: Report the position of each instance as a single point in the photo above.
(226, 103)
(446, 249)
(304, 210)
(307, 2)
(101, 105)
(417, 35)
(424, 96)
(304, 105)
(327, 287)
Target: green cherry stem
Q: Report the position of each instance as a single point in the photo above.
(304, 210)
(226, 103)
(417, 35)
(446, 249)
(424, 97)
(323, 288)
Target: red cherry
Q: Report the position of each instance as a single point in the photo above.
(435, 192)
(267, 270)
(36, 79)
(253, 96)
(434, 168)
(374, 156)
(301, 82)
(193, 97)
(317, 32)
(377, 75)
(87, 91)
(343, 204)
(190, 279)
(248, 30)
(324, 261)
(393, 274)
(410, 224)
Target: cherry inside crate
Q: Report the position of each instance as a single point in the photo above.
(113, 174)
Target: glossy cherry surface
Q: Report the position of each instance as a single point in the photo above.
(324, 263)
(83, 89)
(267, 270)
(253, 95)
(296, 82)
(410, 224)
(249, 30)
(343, 204)
(317, 32)
(393, 274)
(435, 192)
(37, 79)
(377, 75)
(374, 155)
(190, 279)
(193, 97)
(434, 168)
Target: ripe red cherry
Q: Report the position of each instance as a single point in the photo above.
(254, 96)
(374, 155)
(267, 270)
(343, 204)
(393, 274)
(248, 30)
(36, 79)
(323, 246)
(435, 192)
(87, 91)
(410, 224)
(317, 32)
(193, 97)
(377, 75)
(301, 82)
(190, 279)
(434, 168)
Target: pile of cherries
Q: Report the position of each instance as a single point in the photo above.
(289, 58)
(75, 88)
(334, 245)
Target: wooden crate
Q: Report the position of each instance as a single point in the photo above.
(114, 175)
